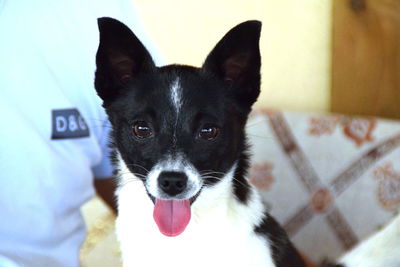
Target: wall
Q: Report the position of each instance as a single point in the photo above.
(295, 42)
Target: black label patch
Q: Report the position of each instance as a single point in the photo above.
(68, 123)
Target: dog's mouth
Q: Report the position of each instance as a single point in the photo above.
(172, 216)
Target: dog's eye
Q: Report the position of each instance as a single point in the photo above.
(208, 132)
(141, 129)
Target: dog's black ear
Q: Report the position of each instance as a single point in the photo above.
(236, 60)
(119, 58)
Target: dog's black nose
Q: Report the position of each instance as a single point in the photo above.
(172, 183)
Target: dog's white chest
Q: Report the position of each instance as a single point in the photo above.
(217, 240)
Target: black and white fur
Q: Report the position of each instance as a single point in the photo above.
(187, 124)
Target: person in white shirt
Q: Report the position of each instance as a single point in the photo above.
(53, 130)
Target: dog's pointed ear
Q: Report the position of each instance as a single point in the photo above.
(119, 58)
(236, 60)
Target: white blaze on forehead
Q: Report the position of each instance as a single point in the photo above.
(176, 94)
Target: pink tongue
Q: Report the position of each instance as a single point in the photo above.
(172, 216)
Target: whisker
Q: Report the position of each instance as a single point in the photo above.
(127, 182)
(262, 137)
(137, 175)
(135, 178)
(206, 172)
(248, 185)
(137, 165)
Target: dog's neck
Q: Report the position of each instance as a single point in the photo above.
(221, 200)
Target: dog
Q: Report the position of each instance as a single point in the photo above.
(180, 148)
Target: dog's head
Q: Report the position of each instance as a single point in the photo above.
(180, 129)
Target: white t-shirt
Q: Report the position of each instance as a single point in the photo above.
(53, 130)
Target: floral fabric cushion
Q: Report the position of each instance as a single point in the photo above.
(330, 180)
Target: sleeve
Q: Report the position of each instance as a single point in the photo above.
(105, 168)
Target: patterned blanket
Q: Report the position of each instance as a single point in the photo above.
(330, 180)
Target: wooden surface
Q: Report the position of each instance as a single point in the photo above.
(366, 57)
